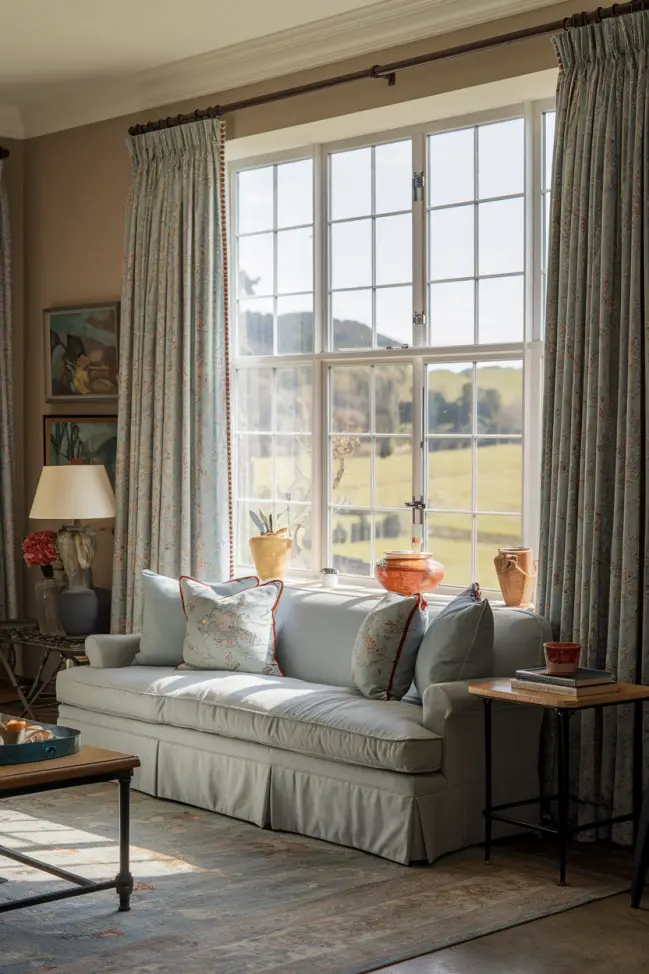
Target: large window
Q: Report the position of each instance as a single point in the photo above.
(388, 298)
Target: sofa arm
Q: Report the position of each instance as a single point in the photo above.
(107, 652)
(458, 717)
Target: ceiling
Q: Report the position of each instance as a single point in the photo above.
(69, 62)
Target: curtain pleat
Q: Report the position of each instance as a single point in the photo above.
(594, 578)
(173, 442)
(8, 570)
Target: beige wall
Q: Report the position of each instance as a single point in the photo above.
(77, 184)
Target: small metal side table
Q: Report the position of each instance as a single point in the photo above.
(563, 709)
(16, 632)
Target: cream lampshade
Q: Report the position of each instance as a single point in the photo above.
(73, 493)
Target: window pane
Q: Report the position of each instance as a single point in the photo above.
(294, 261)
(501, 237)
(451, 243)
(394, 316)
(351, 183)
(351, 463)
(245, 530)
(350, 399)
(393, 398)
(394, 249)
(256, 265)
(255, 466)
(295, 324)
(393, 177)
(351, 254)
(450, 398)
(450, 473)
(450, 541)
(451, 165)
(500, 474)
(392, 471)
(255, 321)
(547, 203)
(549, 119)
(295, 193)
(352, 319)
(294, 400)
(501, 158)
(501, 312)
(494, 531)
(351, 536)
(500, 397)
(293, 469)
(452, 313)
(300, 532)
(254, 399)
(255, 200)
(392, 531)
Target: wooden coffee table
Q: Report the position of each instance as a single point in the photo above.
(89, 766)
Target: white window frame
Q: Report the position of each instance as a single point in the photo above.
(529, 350)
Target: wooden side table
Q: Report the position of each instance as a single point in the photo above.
(563, 709)
(89, 765)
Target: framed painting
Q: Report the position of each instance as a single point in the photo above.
(81, 352)
(81, 439)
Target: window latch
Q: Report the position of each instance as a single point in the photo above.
(417, 186)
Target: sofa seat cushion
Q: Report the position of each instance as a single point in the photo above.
(311, 718)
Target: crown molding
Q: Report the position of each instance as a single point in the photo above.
(11, 123)
(374, 28)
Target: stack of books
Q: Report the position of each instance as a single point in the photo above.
(582, 684)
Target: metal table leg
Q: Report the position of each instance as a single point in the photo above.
(16, 686)
(563, 744)
(638, 762)
(488, 795)
(124, 879)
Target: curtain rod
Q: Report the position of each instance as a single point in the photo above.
(388, 72)
(4, 153)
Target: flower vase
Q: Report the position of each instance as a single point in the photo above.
(46, 596)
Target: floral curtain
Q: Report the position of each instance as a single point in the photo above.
(8, 572)
(173, 441)
(595, 519)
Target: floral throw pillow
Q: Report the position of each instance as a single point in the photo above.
(386, 645)
(232, 632)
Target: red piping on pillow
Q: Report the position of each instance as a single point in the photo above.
(415, 607)
(207, 585)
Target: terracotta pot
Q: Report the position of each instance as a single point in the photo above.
(408, 572)
(562, 659)
(269, 552)
(516, 570)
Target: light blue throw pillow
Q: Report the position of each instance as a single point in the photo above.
(163, 619)
(385, 648)
(459, 643)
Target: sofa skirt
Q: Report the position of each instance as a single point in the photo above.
(402, 817)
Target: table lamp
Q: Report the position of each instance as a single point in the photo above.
(74, 493)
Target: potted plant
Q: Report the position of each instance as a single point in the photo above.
(270, 549)
(39, 548)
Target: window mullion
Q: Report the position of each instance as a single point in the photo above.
(419, 275)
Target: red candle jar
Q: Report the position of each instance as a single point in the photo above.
(562, 659)
(409, 572)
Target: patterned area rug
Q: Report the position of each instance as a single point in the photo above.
(217, 895)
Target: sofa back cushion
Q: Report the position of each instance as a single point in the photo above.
(163, 619)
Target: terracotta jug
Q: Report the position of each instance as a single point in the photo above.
(516, 570)
(270, 552)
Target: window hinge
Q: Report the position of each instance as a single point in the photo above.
(417, 186)
(419, 318)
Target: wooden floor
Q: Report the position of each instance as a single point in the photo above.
(606, 937)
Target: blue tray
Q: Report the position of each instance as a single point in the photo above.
(64, 742)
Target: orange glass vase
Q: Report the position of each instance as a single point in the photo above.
(409, 572)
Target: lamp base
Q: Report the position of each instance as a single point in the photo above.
(79, 610)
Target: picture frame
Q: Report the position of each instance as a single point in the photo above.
(81, 345)
(81, 439)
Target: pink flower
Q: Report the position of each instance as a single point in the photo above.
(39, 548)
